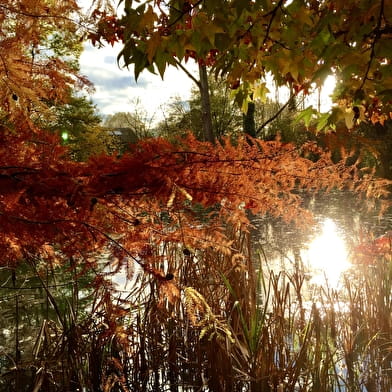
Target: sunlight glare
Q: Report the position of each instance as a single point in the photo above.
(327, 255)
(327, 91)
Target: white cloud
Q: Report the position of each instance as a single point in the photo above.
(116, 88)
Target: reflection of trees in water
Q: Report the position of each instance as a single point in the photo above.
(283, 241)
(40, 308)
(351, 214)
(165, 349)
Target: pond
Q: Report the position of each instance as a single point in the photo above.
(325, 287)
(307, 326)
(325, 247)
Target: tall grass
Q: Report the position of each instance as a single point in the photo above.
(238, 325)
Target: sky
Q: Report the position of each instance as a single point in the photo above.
(117, 91)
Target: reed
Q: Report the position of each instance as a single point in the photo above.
(236, 325)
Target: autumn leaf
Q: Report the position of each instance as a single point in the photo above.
(153, 45)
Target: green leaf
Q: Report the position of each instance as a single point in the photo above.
(349, 119)
(325, 36)
(196, 41)
(322, 121)
(139, 58)
(152, 46)
(260, 91)
(306, 116)
(160, 61)
(206, 28)
(148, 19)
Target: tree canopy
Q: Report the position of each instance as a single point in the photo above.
(36, 67)
(298, 42)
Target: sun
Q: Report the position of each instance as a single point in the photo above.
(327, 255)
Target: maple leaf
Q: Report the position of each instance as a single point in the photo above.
(298, 44)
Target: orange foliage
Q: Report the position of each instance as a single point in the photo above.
(124, 210)
(30, 73)
(57, 208)
(123, 203)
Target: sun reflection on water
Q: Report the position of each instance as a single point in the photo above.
(327, 255)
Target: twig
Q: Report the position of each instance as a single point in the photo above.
(372, 53)
(262, 126)
(197, 82)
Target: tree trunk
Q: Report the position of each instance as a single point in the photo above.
(248, 120)
(205, 104)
